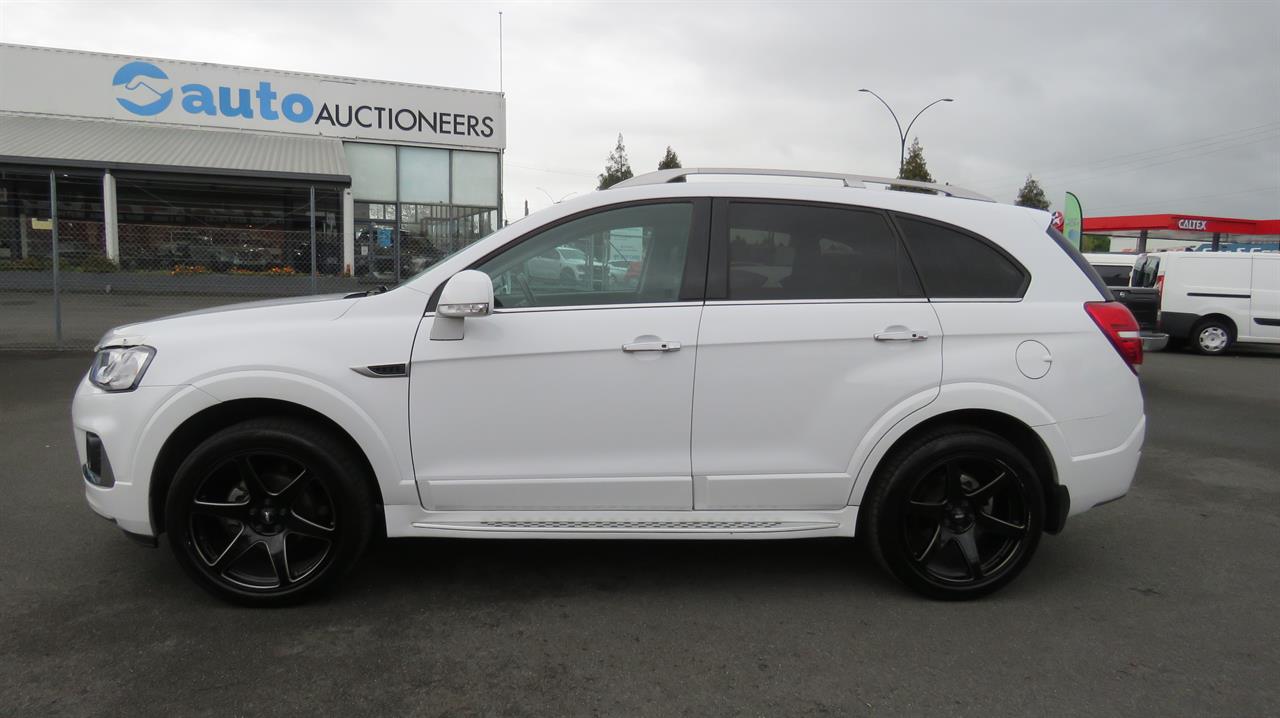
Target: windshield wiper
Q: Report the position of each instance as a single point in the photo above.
(368, 292)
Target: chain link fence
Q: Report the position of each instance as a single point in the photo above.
(188, 243)
(69, 299)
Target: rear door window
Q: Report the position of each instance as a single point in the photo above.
(780, 251)
(958, 265)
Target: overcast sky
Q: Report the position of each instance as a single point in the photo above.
(1136, 107)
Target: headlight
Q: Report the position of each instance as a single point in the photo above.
(120, 368)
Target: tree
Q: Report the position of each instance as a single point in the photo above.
(914, 168)
(670, 161)
(1032, 195)
(618, 168)
(1095, 243)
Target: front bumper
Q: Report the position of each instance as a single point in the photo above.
(130, 428)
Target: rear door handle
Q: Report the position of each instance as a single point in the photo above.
(896, 334)
(652, 346)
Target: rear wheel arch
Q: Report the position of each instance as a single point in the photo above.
(203, 424)
(1218, 317)
(1013, 430)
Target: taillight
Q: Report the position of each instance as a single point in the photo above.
(1117, 322)
(1160, 286)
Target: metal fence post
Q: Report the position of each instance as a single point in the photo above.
(312, 214)
(396, 263)
(57, 299)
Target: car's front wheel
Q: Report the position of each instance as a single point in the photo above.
(269, 511)
(956, 514)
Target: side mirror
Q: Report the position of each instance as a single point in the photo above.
(468, 293)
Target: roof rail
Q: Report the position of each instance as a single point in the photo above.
(859, 181)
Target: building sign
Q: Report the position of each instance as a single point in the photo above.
(1199, 225)
(187, 93)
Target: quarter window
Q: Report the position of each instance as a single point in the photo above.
(781, 251)
(958, 265)
(620, 256)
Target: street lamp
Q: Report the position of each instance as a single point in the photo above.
(902, 152)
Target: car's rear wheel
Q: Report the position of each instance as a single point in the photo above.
(1212, 336)
(956, 514)
(269, 511)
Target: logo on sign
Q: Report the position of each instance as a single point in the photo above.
(146, 92)
(1058, 221)
(1198, 224)
(145, 89)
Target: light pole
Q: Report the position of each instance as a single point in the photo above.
(902, 135)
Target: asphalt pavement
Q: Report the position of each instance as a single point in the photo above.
(1161, 604)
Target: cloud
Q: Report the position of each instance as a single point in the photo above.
(1137, 107)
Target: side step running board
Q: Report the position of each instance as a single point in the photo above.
(650, 527)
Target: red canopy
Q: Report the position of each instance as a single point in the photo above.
(1182, 223)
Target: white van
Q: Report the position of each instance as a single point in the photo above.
(1214, 299)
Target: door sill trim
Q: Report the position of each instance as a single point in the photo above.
(569, 525)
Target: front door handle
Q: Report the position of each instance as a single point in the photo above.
(900, 334)
(652, 346)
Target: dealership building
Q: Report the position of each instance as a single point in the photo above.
(175, 165)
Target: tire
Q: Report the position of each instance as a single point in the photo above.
(269, 512)
(568, 278)
(955, 514)
(1212, 337)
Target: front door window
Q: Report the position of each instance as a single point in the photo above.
(628, 255)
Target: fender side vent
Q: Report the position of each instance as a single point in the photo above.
(382, 370)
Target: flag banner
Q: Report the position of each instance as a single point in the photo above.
(1073, 218)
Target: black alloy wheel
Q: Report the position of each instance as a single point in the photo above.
(259, 520)
(268, 512)
(965, 520)
(957, 514)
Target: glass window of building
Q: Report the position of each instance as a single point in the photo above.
(424, 175)
(373, 170)
(475, 179)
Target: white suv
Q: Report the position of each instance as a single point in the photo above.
(943, 375)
